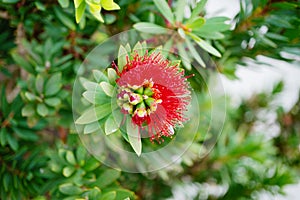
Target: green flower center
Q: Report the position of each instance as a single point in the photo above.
(138, 101)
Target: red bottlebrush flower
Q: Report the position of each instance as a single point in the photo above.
(154, 93)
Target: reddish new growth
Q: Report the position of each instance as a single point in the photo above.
(154, 93)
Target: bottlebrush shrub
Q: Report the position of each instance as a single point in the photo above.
(147, 93)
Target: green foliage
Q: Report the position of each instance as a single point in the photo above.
(77, 175)
(269, 28)
(194, 28)
(94, 7)
(22, 173)
(13, 126)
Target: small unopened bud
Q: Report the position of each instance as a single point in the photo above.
(135, 98)
(148, 92)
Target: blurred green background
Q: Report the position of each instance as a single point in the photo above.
(252, 45)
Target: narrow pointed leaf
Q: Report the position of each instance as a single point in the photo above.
(64, 3)
(79, 12)
(184, 57)
(77, 3)
(94, 114)
(96, 97)
(134, 137)
(109, 5)
(180, 10)
(107, 88)
(165, 10)
(138, 48)
(196, 24)
(99, 76)
(147, 27)
(166, 49)
(197, 10)
(112, 75)
(122, 57)
(194, 53)
(110, 125)
(204, 45)
(90, 128)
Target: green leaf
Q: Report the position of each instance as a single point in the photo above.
(30, 97)
(70, 189)
(80, 155)
(147, 27)
(39, 84)
(90, 128)
(215, 24)
(110, 125)
(128, 48)
(70, 157)
(109, 5)
(64, 19)
(124, 194)
(166, 49)
(94, 114)
(96, 97)
(28, 110)
(184, 57)
(204, 45)
(53, 101)
(3, 137)
(107, 88)
(40, 6)
(94, 193)
(181, 32)
(210, 35)
(277, 37)
(53, 85)
(196, 23)
(68, 171)
(99, 76)
(42, 110)
(268, 42)
(165, 10)
(107, 177)
(79, 11)
(109, 196)
(95, 9)
(122, 54)
(4, 103)
(109, 18)
(23, 63)
(25, 134)
(180, 10)
(64, 3)
(6, 181)
(13, 143)
(10, 1)
(112, 75)
(194, 53)
(197, 10)
(134, 137)
(138, 47)
(91, 165)
(78, 2)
